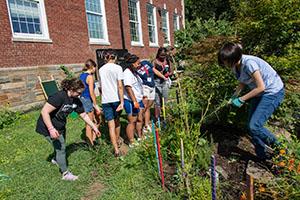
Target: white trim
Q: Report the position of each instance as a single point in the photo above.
(155, 44)
(44, 37)
(140, 42)
(99, 41)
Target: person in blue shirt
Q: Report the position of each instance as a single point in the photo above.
(88, 97)
(146, 73)
(265, 95)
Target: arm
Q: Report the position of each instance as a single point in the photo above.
(239, 88)
(87, 119)
(46, 110)
(90, 82)
(121, 95)
(130, 93)
(157, 73)
(260, 87)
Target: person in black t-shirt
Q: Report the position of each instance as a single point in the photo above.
(52, 121)
(162, 72)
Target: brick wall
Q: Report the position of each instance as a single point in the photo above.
(21, 62)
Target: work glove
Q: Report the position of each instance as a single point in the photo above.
(231, 99)
(237, 102)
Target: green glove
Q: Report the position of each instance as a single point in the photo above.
(231, 99)
(237, 102)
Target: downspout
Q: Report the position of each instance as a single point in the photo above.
(121, 25)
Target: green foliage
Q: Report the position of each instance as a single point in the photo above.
(199, 29)
(8, 117)
(207, 9)
(67, 72)
(267, 26)
(287, 183)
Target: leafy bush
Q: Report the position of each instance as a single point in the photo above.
(199, 29)
(267, 26)
(7, 117)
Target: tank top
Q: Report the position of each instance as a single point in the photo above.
(86, 91)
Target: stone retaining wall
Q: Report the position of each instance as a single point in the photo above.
(20, 88)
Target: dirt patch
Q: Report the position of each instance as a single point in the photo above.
(94, 191)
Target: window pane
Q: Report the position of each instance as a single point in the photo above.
(16, 27)
(23, 13)
(165, 26)
(95, 26)
(133, 20)
(151, 24)
(93, 6)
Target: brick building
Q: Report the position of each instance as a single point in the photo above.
(37, 36)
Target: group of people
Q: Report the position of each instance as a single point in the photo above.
(137, 84)
(132, 87)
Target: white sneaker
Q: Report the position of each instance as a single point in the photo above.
(134, 144)
(68, 176)
(54, 162)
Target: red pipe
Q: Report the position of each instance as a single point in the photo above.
(160, 160)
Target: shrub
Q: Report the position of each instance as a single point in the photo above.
(7, 117)
(267, 26)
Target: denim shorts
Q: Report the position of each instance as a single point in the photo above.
(87, 104)
(109, 110)
(129, 107)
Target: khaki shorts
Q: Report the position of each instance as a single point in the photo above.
(149, 92)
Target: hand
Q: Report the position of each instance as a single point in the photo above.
(167, 75)
(53, 133)
(136, 105)
(96, 131)
(237, 102)
(97, 109)
(120, 107)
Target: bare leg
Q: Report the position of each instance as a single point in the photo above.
(139, 123)
(88, 130)
(131, 127)
(112, 134)
(117, 129)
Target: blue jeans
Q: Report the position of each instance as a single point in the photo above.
(261, 108)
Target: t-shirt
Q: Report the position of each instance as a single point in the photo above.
(86, 92)
(110, 74)
(64, 106)
(250, 64)
(163, 68)
(146, 73)
(136, 84)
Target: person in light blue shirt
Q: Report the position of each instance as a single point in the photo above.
(265, 95)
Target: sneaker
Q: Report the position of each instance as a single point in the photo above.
(134, 144)
(68, 176)
(54, 162)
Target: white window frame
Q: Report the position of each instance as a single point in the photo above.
(140, 42)
(101, 41)
(155, 44)
(168, 27)
(27, 37)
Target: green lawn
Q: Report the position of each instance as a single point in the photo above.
(23, 157)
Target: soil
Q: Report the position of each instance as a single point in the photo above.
(94, 191)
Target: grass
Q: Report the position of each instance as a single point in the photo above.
(24, 159)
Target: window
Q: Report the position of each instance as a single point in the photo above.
(96, 19)
(152, 25)
(135, 22)
(176, 22)
(165, 27)
(28, 20)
